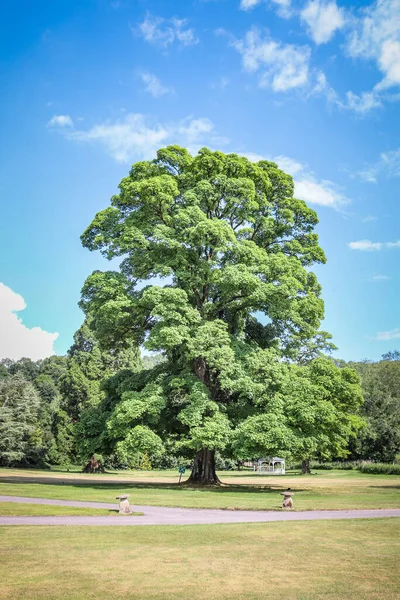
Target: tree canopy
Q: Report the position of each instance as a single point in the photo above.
(380, 381)
(19, 407)
(234, 248)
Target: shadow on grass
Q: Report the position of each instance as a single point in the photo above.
(176, 487)
(252, 474)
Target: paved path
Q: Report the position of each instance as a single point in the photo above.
(161, 515)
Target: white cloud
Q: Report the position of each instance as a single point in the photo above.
(283, 6)
(376, 36)
(136, 136)
(323, 193)
(367, 245)
(307, 187)
(322, 87)
(164, 32)
(289, 165)
(380, 278)
(388, 165)
(17, 340)
(390, 162)
(368, 175)
(61, 121)
(384, 336)
(193, 130)
(249, 4)
(362, 103)
(280, 66)
(253, 156)
(128, 137)
(359, 103)
(154, 86)
(323, 19)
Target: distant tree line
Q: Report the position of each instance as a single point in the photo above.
(42, 403)
(379, 440)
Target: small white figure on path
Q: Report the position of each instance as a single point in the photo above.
(287, 499)
(124, 506)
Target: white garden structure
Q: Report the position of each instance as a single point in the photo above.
(270, 465)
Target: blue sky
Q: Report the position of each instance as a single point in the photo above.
(89, 87)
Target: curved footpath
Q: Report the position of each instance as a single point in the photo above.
(162, 515)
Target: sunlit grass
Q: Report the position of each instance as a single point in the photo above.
(356, 560)
(246, 490)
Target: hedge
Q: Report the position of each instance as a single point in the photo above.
(380, 469)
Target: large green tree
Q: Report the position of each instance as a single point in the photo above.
(51, 422)
(19, 407)
(234, 247)
(380, 381)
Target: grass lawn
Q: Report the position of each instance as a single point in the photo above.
(356, 560)
(10, 509)
(241, 489)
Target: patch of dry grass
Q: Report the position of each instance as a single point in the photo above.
(356, 560)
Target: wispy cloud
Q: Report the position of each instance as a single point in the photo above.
(368, 246)
(391, 162)
(249, 4)
(279, 66)
(380, 278)
(154, 86)
(376, 36)
(283, 6)
(164, 32)
(323, 19)
(137, 136)
(362, 103)
(61, 121)
(384, 336)
(387, 165)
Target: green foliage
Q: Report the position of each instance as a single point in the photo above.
(87, 366)
(239, 301)
(19, 407)
(380, 381)
(380, 469)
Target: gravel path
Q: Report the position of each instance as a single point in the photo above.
(161, 515)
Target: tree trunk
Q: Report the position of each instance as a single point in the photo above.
(203, 470)
(305, 466)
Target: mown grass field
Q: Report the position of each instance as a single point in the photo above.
(241, 489)
(355, 560)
